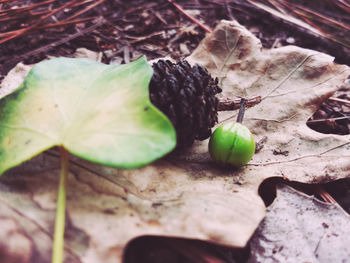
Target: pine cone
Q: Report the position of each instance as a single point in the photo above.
(186, 95)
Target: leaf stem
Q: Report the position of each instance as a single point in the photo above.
(58, 242)
(240, 115)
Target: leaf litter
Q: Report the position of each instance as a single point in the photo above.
(186, 194)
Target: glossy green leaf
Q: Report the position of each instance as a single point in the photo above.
(98, 112)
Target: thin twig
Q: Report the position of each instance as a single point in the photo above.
(84, 10)
(277, 7)
(340, 100)
(329, 119)
(228, 104)
(303, 27)
(67, 23)
(342, 4)
(26, 8)
(207, 29)
(98, 22)
(328, 20)
(37, 23)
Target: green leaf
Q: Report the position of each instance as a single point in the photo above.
(98, 112)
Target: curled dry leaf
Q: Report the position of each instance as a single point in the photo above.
(299, 228)
(186, 194)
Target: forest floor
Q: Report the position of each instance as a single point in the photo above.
(121, 31)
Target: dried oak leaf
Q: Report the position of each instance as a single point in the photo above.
(299, 228)
(292, 83)
(186, 194)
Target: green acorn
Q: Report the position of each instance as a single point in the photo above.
(187, 96)
(232, 143)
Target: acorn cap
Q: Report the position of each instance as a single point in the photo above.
(186, 95)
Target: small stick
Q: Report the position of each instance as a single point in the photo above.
(84, 10)
(241, 112)
(189, 16)
(340, 100)
(330, 119)
(26, 8)
(227, 104)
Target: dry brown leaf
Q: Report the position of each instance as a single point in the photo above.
(292, 83)
(300, 228)
(14, 78)
(186, 194)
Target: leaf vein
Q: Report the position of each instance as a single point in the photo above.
(27, 129)
(286, 78)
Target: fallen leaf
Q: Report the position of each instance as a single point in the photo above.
(86, 53)
(292, 83)
(186, 194)
(14, 78)
(300, 228)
